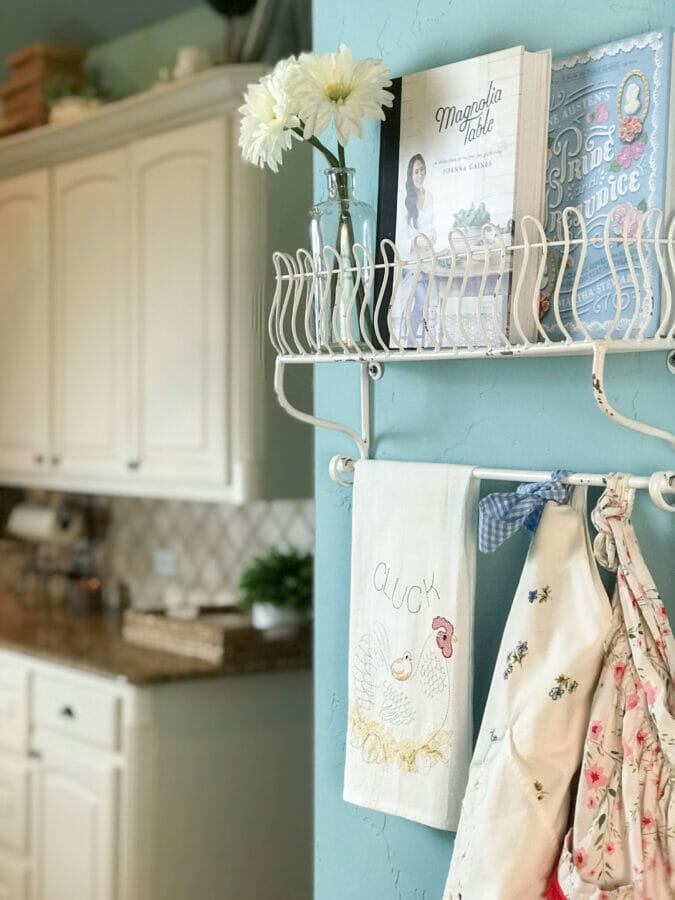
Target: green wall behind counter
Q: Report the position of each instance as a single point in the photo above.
(527, 413)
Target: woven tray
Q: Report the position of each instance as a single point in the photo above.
(217, 636)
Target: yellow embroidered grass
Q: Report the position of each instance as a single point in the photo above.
(380, 746)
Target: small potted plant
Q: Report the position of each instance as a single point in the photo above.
(277, 588)
(69, 101)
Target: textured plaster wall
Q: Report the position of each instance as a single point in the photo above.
(516, 413)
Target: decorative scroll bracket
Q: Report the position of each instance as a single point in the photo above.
(341, 463)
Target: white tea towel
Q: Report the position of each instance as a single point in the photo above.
(410, 642)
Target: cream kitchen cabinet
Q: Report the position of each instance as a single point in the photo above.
(90, 399)
(24, 322)
(132, 342)
(178, 239)
(75, 829)
(161, 791)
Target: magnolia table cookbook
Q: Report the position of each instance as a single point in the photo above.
(462, 160)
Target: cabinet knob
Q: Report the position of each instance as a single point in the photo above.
(67, 712)
(133, 464)
(56, 460)
(38, 459)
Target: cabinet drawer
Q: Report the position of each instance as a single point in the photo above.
(77, 710)
(14, 799)
(13, 706)
(13, 880)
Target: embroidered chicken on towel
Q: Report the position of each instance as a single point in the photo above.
(402, 703)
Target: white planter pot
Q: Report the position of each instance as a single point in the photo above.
(278, 621)
(70, 109)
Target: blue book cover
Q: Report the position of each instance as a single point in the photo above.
(608, 152)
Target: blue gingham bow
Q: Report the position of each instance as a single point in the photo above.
(502, 514)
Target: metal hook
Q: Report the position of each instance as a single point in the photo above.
(599, 353)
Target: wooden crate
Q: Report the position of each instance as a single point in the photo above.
(39, 62)
(30, 69)
(24, 101)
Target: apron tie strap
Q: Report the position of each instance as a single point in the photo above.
(615, 504)
(501, 514)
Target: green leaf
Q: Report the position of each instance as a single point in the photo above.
(611, 791)
(643, 137)
(280, 577)
(601, 820)
(614, 167)
(642, 206)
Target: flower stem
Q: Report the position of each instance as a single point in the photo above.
(333, 161)
(345, 235)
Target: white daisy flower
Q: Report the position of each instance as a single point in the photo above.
(331, 85)
(268, 118)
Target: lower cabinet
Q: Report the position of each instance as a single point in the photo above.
(14, 880)
(172, 791)
(75, 830)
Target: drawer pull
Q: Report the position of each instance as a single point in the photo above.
(67, 712)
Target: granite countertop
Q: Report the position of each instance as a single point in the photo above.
(94, 643)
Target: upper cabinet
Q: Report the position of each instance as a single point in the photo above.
(91, 315)
(179, 206)
(132, 303)
(24, 322)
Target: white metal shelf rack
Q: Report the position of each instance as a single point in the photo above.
(391, 309)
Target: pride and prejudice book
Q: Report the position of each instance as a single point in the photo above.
(611, 134)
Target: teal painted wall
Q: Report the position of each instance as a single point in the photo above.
(127, 41)
(130, 63)
(516, 413)
(77, 23)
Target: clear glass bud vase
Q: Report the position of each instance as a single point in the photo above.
(342, 300)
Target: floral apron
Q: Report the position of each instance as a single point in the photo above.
(516, 807)
(622, 843)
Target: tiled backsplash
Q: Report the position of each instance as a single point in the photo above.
(210, 543)
(207, 544)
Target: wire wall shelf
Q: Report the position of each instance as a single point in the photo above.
(428, 306)
(604, 286)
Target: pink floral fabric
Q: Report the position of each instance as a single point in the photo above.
(622, 844)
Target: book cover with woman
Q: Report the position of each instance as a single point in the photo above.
(456, 153)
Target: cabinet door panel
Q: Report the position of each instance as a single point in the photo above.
(76, 825)
(13, 879)
(91, 314)
(179, 302)
(24, 313)
(13, 705)
(14, 799)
